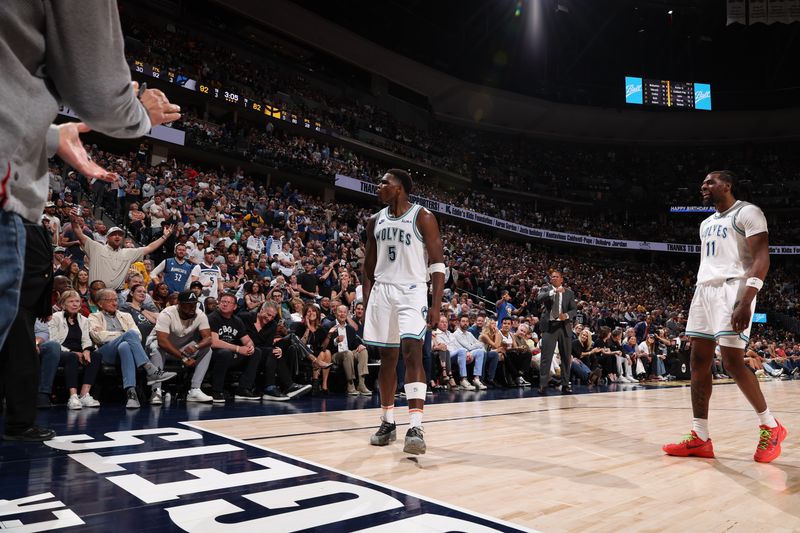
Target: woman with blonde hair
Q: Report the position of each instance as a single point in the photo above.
(71, 346)
(311, 334)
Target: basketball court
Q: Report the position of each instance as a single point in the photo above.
(497, 460)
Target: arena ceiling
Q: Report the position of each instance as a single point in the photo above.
(578, 51)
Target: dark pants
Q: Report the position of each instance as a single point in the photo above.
(277, 368)
(555, 333)
(224, 360)
(52, 357)
(19, 362)
(517, 363)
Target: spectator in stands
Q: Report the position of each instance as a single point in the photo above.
(582, 355)
(144, 316)
(308, 281)
(71, 346)
(492, 340)
(312, 335)
(266, 331)
(119, 340)
(468, 349)
(232, 348)
(110, 262)
(208, 274)
(608, 356)
(346, 290)
(517, 354)
(648, 351)
(440, 354)
(174, 271)
(182, 332)
(350, 353)
(253, 297)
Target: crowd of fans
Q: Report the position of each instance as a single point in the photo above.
(254, 293)
(618, 178)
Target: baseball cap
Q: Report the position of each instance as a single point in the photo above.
(50, 204)
(194, 284)
(59, 250)
(186, 297)
(115, 229)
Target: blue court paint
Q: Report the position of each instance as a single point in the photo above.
(182, 478)
(129, 473)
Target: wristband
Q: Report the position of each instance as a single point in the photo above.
(756, 283)
(436, 267)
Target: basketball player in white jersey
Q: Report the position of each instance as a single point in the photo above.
(734, 260)
(404, 248)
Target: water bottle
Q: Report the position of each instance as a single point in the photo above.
(167, 397)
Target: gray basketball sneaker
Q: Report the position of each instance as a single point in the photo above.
(415, 442)
(386, 433)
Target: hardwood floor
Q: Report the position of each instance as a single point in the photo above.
(589, 462)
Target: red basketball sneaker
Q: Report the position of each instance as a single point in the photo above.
(690, 446)
(769, 443)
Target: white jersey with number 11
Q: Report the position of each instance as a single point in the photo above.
(724, 253)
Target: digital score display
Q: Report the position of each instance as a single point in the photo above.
(228, 95)
(667, 93)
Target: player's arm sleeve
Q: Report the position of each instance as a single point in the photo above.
(750, 220)
(86, 61)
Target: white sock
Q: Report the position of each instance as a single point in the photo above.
(388, 413)
(415, 418)
(766, 419)
(700, 427)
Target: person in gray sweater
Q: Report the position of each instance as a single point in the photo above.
(52, 52)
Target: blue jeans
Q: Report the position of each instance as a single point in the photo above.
(492, 360)
(459, 357)
(128, 349)
(12, 257)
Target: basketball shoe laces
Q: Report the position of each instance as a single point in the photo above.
(385, 428)
(763, 438)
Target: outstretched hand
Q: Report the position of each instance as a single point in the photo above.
(72, 152)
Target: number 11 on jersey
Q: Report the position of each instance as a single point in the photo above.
(711, 248)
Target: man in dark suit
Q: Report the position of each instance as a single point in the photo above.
(556, 324)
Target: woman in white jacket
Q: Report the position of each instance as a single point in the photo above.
(69, 345)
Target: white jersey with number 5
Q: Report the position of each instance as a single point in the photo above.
(724, 253)
(402, 256)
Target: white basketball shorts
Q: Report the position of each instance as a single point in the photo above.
(710, 313)
(395, 312)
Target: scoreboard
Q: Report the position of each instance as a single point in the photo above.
(226, 94)
(667, 93)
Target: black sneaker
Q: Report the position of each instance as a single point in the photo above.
(297, 390)
(32, 434)
(386, 433)
(415, 441)
(274, 395)
(246, 394)
(219, 397)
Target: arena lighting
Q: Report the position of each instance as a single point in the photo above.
(669, 12)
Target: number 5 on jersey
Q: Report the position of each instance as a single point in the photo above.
(392, 253)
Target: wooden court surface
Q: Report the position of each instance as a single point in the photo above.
(590, 462)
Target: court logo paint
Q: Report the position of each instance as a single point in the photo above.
(179, 479)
